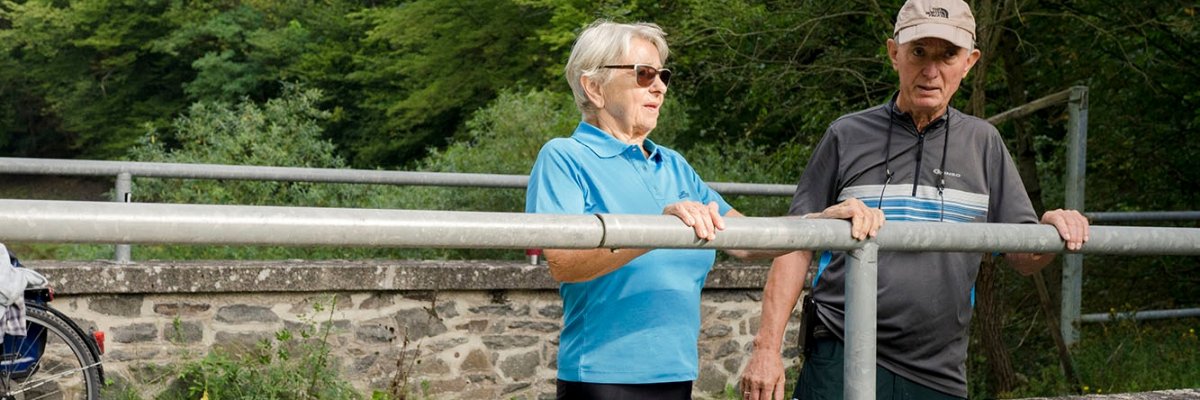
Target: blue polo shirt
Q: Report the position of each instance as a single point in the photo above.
(639, 323)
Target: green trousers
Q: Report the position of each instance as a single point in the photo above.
(822, 377)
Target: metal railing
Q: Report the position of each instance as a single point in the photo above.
(42, 166)
(98, 222)
(1142, 216)
(124, 171)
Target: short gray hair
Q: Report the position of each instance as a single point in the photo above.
(602, 43)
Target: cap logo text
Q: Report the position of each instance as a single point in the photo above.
(938, 12)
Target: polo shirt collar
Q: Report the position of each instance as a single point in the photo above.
(605, 145)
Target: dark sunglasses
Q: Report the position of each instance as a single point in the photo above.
(645, 73)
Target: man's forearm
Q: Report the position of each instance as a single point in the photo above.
(1029, 263)
(785, 282)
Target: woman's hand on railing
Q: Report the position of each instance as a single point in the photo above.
(706, 220)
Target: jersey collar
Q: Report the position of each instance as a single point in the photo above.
(906, 118)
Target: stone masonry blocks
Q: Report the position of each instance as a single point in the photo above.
(459, 343)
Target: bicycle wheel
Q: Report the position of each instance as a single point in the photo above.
(52, 362)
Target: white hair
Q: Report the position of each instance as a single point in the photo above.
(603, 43)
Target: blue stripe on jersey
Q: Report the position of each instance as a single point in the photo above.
(913, 209)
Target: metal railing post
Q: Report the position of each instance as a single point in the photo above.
(122, 195)
(862, 290)
(1072, 284)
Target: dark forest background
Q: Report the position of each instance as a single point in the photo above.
(477, 86)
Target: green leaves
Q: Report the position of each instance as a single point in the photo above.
(401, 80)
(435, 61)
(284, 132)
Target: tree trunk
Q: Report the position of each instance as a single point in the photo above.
(1002, 378)
(991, 310)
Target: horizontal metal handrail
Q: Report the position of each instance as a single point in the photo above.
(104, 222)
(1143, 216)
(99, 222)
(40, 166)
(1141, 315)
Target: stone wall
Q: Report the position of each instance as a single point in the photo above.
(474, 329)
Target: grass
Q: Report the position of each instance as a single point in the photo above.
(1131, 356)
(1116, 357)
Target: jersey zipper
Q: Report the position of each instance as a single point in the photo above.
(917, 173)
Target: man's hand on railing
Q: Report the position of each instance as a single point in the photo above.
(864, 221)
(1072, 226)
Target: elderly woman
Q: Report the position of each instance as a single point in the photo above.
(631, 317)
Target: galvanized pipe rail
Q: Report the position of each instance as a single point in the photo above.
(126, 170)
(1143, 216)
(153, 223)
(43, 166)
(59, 221)
(1143, 315)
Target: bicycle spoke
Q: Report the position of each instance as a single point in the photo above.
(52, 364)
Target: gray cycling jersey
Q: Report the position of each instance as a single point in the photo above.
(925, 299)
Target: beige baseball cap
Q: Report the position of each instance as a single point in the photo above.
(943, 19)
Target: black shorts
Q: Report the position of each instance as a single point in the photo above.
(823, 376)
(568, 390)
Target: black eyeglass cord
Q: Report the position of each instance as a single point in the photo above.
(887, 158)
(942, 177)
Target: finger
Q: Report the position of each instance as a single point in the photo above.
(701, 223)
(879, 220)
(871, 221)
(1060, 224)
(1087, 227)
(710, 225)
(779, 388)
(718, 220)
(856, 226)
(1077, 230)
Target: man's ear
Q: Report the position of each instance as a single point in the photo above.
(592, 88)
(972, 59)
(893, 51)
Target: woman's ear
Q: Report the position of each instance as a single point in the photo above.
(592, 88)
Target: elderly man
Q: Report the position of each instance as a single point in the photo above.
(917, 159)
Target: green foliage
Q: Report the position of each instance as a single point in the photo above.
(292, 365)
(440, 85)
(285, 132)
(1123, 357)
(82, 79)
(503, 138)
(748, 162)
(437, 60)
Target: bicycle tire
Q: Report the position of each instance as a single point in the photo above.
(66, 368)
